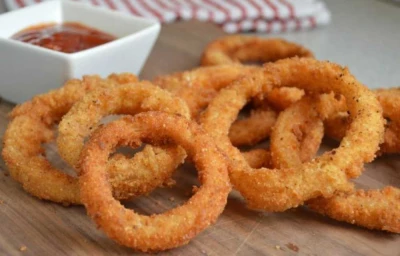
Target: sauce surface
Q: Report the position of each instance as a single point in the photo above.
(68, 37)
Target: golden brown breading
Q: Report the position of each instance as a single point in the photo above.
(175, 227)
(281, 189)
(240, 49)
(373, 209)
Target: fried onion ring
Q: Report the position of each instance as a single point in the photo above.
(239, 49)
(55, 103)
(32, 125)
(131, 99)
(199, 86)
(299, 129)
(302, 134)
(390, 102)
(281, 189)
(258, 158)
(297, 134)
(253, 129)
(338, 121)
(373, 209)
(278, 98)
(175, 227)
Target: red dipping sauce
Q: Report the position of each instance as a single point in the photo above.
(68, 37)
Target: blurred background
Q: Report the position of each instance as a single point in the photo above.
(362, 34)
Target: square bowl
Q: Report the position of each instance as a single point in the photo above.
(26, 70)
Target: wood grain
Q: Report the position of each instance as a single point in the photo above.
(50, 229)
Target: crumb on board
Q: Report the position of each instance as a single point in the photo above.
(23, 248)
(1, 202)
(171, 199)
(277, 247)
(6, 174)
(293, 247)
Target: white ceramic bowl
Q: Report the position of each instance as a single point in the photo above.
(26, 70)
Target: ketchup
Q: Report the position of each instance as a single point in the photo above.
(68, 37)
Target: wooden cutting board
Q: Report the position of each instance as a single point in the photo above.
(29, 226)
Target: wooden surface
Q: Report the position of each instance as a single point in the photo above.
(46, 228)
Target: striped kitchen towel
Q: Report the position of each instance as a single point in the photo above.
(269, 16)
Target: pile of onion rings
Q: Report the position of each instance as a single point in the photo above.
(279, 190)
(32, 125)
(33, 122)
(373, 209)
(292, 101)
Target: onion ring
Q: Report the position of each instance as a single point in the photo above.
(266, 107)
(32, 125)
(278, 98)
(258, 126)
(297, 134)
(294, 136)
(86, 114)
(162, 231)
(299, 129)
(337, 123)
(258, 158)
(131, 99)
(239, 49)
(45, 105)
(199, 86)
(281, 189)
(373, 209)
(253, 129)
(390, 102)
